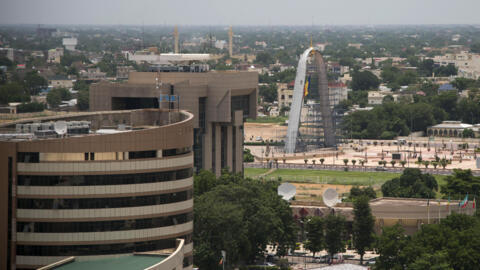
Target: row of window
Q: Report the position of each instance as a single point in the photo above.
(83, 250)
(103, 226)
(100, 180)
(34, 157)
(95, 203)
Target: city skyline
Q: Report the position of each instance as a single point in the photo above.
(216, 12)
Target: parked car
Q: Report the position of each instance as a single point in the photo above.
(380, 169)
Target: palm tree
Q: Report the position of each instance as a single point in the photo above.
(403, 162)
(393, 163)
(345, 161)
(426, 163)
(434, 164)
(353, 162)
(313, 161)
(322, 160)
(305, 160)
(443, 163)
(362, 162)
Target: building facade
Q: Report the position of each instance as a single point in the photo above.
(219, 101)
(116, 183)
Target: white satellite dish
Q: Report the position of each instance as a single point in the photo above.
(330, 197)
(60, 127)
(287, 191)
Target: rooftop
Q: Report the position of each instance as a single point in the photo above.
(89, 124)
(130, 262)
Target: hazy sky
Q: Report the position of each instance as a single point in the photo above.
(240, 12)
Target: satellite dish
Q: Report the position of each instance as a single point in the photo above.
(330, 197)
(60, 127)
(287, 191)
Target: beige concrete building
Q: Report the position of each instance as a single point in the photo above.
(284, 94)
(452, 129)
(410, 213)
(220, 102)
(115, 183)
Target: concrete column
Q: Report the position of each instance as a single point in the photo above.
(230, 151)
(218, 149)
(238, 151)
(207, 152)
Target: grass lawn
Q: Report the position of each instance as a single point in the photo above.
(252, 172)
(332, 177)
(268, 119)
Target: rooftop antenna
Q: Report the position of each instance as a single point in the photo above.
(60, 128)
(287, 191)
(330, 197)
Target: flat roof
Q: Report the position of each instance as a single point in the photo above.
(128, 262)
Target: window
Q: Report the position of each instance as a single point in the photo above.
(142, 154)
(77, 250)
(28, 157)
(96, 203)
(99, 180)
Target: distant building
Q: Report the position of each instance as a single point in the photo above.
(220, 101)
(221, 44)
(452, 129)
(70, 43)
(59, 81)
(468, 64)
(93, 74)
(123, 71)
(355, 45)
(337, 92)
(45, 32)
(55, 55)
(284, 95)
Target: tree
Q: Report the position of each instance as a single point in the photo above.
(56, 95)
(363, 222)
(390, 246)
(356, 192)
(468, 133)
(35, 82)
(264, 58)
(247, 155)
(334, 234)
(345, 161)
(475, 47)
(364, 80)
(13, 92)
(461, 183)
(83, 100)
(411, 184)
(30, 107)
(315, 235)
(240, 216)
(393, 163)
(403, 162)
(269, 93)
(322, 160)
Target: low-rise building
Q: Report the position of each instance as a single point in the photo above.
(284, 95)
(55, 55)
(452, 129)
(59, 81)
(123, 71)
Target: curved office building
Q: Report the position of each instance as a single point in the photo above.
(96, 185)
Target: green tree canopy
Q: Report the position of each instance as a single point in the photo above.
(334, 234)
(356, 192)
(411, 184)
(461, 183)
(363, 223)
(240, 216)
(268, 92)
(364, 80)
(315, 234)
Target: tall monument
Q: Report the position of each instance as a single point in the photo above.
(175, 34)
(230, 42)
